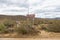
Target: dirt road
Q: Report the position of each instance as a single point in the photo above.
(28, 39)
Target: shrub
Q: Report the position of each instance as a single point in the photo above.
(43, 27)
(9, 26)
(26, 29)
(2, 28)
(6, 27)
(55, 27)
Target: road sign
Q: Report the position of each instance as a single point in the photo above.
(30, 15)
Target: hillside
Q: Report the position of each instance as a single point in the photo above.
(16, 17)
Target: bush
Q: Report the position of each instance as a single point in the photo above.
(6, 27)
(9, 26)
(2, 28)
(43, 28)
(26, 29)
(55, 27)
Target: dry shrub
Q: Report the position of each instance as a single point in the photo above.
(26, 29)
(55, 27)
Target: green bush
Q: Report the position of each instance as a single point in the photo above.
(6, 27)
(2, 27)
(9, 26)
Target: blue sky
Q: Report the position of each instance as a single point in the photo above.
(42, 8)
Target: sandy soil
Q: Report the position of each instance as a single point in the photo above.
(28, 39)
(43, 34)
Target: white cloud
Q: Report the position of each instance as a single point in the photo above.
(49, 7)
(43, 8)
(18, 7)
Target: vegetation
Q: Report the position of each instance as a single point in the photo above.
(26, 28)
(54, 27)
(9, 25)
(2, 28)
(6, 27)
